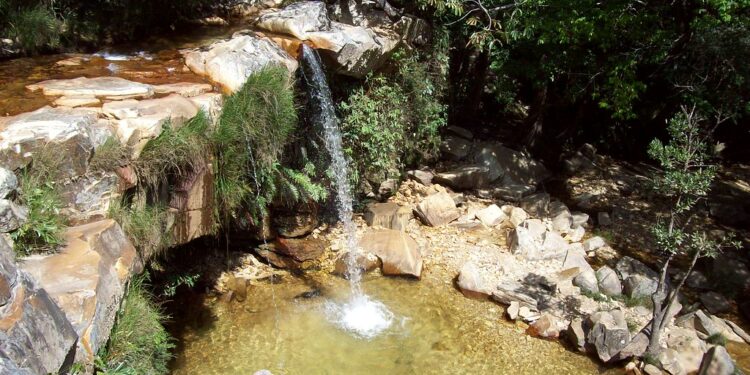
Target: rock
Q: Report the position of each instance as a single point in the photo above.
(688, 346)
(472, 284)
(650, 369)
(575, 234)
(437, 210)
(112, 88)
(173, 108)
(513, 166)
(738, 330)
(300, 250)
(587, 282)
(454, 148)
(185, 89)
(576, 335)
(461, 132)
(58, 131)
(297, 19)
(512, 192)
(399, 253)
(608, 334)
(603, 219)
(609, 282)
(697, 280)
(536, 204)
(364, 262)
(708, 325)
(714, 302)
(732, 270)
(88, 198)
(512, 310)
(211, 104)
(12, 216)
(388, 188)
(717, 362)
(575, 257)
(517, 216)
(192, 198)
(637, 286)
(463, 178)
(37, 338)
(528, 314)
(580, 219)
(8, 182)
(87, 279)
(423, 177)
(77, 101)
(491, 216)
(532, 240)
(509, 291)
(547, 326)
(669, 362)
(230, 62)
(606, 253)
(388, 215)
(593, 244)
(726, 330)
(562, 219)
(296, 221)
(635, 348)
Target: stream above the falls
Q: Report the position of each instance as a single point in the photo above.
(435, 330)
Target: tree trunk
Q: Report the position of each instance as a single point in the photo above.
(476, 86)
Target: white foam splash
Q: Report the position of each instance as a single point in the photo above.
(361, 316)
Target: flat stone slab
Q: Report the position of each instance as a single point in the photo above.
(186, 89)
(87, 279)
(107, 87)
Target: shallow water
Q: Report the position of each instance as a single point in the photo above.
(435, 330)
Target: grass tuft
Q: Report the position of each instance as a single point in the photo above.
(110, 155)
(145, 225)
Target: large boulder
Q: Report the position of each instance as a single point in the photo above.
(297, 19)
(388, 215)
(230, 62)
(437, 210)
(609, 282)
(463, 178)
(533, 241)
(398, 252)
(638, 279)
(35, 336)
(688, 346)
(608, 334)
(511, 165)
(65, 133)
(112, 88)
(87, 279)
(717, 362)
(454, 148)
(300, 249)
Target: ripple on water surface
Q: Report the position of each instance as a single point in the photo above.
(422, 327)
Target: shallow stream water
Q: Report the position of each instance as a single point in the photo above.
(436, 330)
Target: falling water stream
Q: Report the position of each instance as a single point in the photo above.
(360, 315)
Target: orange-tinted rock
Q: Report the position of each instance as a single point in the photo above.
(398, 252)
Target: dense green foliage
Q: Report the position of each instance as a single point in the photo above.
(394, 120)
(593, 70)
(256, 124)
(138, 344)
(34, 25)
(145, 224)
(44, 224)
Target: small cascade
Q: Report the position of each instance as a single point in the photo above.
(361, 315)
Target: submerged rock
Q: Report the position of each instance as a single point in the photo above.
(399, 253)
(365, 262)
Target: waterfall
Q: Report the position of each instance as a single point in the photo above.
(360, 315)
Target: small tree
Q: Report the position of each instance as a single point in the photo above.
(685, 179)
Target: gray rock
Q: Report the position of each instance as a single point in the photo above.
(388, 188)
(508, 291)
(536, 204)
(463, 178)
(517, 216)
(580, 218)
(454, 148)
(513, 166)
(576, 334)
(562, 219)
(297, 19)
(423, 177)
(717, 362)
(512, 310)
(8, 182)
(637, 286)
(715, 303)
(697, 280)
(635, 348)
(608, 334)
(669, 361)
(738, 330)
(604, 219)
(512, 192)
(461, 132)
(437, 210)
(37, 338)
(532, 240)
(650, 369)
(587, 282)
(593, 243)
(731, 270)
(575, 234)
(491, 216)
(12, 216)
(471, 282)
(609, 282)
(688, 346)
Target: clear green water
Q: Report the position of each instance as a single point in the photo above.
(436, 331)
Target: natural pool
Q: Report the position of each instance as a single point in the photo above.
(435, 330)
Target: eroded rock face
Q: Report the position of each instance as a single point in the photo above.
(87, 279)
(192, 204)
(230, 62)
(399, 253)
(88, 198)
(35, 336)
(61, 131)
(113, 88)
(388, 215)
(297, 19)
(511, 165)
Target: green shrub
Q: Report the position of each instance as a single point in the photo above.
(34, 25)
(44, 226)
(146, 226)
(138, 344)
(256, 124)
